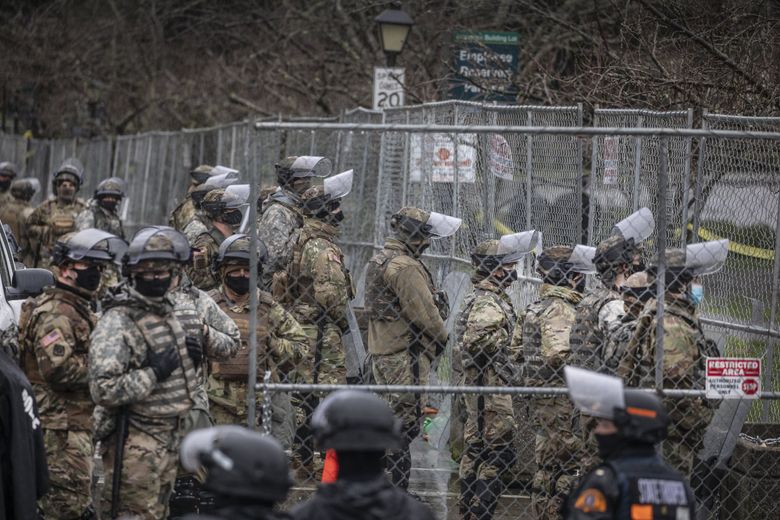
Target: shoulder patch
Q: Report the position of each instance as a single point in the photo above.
(591, 501)
(51, 337)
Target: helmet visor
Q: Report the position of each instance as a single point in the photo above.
(311, 166)
(441, 226)
(222, 180)
(594, 394)
(511, 248)
(581, 259)
(706, 257)
(136, 251)
(339, 185)
(81, 246)
(637, 226)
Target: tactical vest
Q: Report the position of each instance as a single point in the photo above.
(468, 360)
(587, 339)
(62, 219)
(237, 367)
(284, 198)
(381, 302)
(106, 221)
(174, 396)
(302, 287)
(537, 371)
(650, 489)
(617, 344)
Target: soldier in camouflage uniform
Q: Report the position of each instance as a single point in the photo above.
(545, 349)
(281, 217)
(685, 347)
(406, 319)
(183, 213)
(636, 293)
(200, 221)
(319, 290)
(142, 373)
(8, 171)
(224, 210)
(15, 211)
(487, 354)
(281, 342)
(57, 215)
(601, 309)
(54, 347)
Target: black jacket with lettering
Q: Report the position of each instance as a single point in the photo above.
(633, 483)
(24, 475)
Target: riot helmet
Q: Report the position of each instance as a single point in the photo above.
(505, 252)
(566, 265)
(355, 420)
(71, 170)
(25, 188)
(239, 463)
(88, 245)
(109, 193)
(200, 174)
(224, 206)
(291, 170)
(638, 415)
(622, 248)
(324, 202)
(683, 265)
(153, 259)
(233, 258)
(8, 171)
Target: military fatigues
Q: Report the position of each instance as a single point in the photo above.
(598, 315)
(200, 272)
(198, 224)
(278, 228)
(485, 331)
(56, 327)
(617, 343)
(46, 224)
(14, 212)
(546, 329)
(120, 378)
(98, 217)
(405, 331)
(634, 484)
(281, 343)
(685, 349)
(184, 212)
(222, 341)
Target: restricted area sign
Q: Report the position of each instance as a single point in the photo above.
(733, 378)
(388, 87)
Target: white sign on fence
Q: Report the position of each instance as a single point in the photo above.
(435, 153)
(388, 87)
(500, 157)
(733, 378)
(611, 160)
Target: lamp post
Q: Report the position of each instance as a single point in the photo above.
(394, 27)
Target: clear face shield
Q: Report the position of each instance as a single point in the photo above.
(311, 166)
(581, 259)
(442, 226)
(137, 250)
(594, 394)
(706, 258)
(512, 248)
(339, 185)
(637, 227)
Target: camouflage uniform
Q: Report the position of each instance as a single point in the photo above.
(200, 272)
(47, 223)
(278, 227)
(282, 344)
(7, 169)
(485, 331)
(120, 378)
(98, 217)
(546, 328)
(185, 211)
(198, 225)
(55, 341)
(635, 293)
(685, 348)
(16, 208)
(405, 333)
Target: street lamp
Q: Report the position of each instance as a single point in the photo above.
(394, 26)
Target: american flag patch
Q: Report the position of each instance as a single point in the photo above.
(51, 337)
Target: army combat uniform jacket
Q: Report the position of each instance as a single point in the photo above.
(46, 224)
(278, 227)
(200, 272)
(598, 315)
(98, 217)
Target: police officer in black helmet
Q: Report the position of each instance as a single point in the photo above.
(359, 426)
(246, 471)
(632, 481)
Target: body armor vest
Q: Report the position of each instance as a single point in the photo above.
(174, 396)
(468, 360)
(617, 344)
(381, 302)
(63, 218)
(237, 367)
(647, 484)
(107, 221)
(302, 287)
(587, 339)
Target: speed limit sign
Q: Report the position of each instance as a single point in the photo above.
(388, 87)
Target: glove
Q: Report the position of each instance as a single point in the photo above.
(194, 349)
(163, 363)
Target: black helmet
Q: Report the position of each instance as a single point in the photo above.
(158, 244)
(509, 249)
(239, 463)
(88, 245)
(113, 186)
(71, 169)
(235, 249)
(8, 169)
(643, 419)
(354, 420)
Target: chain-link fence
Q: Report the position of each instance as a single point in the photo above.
(503, 434)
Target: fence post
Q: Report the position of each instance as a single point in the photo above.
(592, 178)
(456, 190)
(580, 169)
(529, 161)
(698, 205)
(379, 187)
(686, 183)
(663, 183)
(405, 161)
(769, 358)
(251, 398)
(637, 164)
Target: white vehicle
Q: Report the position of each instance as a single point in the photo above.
(17, 283)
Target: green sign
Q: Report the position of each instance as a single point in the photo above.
(485, 64)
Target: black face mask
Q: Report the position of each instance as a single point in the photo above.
(154, 288)
(608, 444)
(232, 218)
(89, 278)
(238, 284)
(108, 204)
(337, 217)
(5, 184)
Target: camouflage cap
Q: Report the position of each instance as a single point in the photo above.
(487, 247)
(113, 186)
(8, 169)
(556, 254)
(201, 173)
(637, 280)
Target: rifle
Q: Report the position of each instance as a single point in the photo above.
(119, 455)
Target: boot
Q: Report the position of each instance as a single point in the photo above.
(487, 492)
(466, 496)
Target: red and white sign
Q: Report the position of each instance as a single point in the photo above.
(500, 158)
(611, 148)
(733, 378)
(432, 158)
